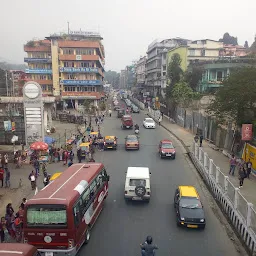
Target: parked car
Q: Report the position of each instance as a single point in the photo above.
(149, 123)
(188, 207)
(127, 122)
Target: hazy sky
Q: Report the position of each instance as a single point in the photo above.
(127, 26)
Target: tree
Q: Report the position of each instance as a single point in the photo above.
(228, 39)
(112, 77)
(246, 45)
(102, 106)
(87, 105)
(194, 76)
(174, 72)
(183, 94)
(235, 100)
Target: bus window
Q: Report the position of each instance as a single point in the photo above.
(99, 181)
(76, 215)
(85, 200)
(93, 188)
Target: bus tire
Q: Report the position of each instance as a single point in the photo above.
(87, 236)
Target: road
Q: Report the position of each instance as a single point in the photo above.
(121, 227)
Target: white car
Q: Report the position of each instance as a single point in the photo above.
(149, 123)
(137, 184)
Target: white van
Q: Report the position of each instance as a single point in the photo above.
(137, 184)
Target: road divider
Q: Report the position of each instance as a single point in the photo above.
(138, 103)
(240, 213)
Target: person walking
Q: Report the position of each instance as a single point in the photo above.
(32, 178)
(110, 112)
(160, 120)
(2, 176)
(36, 166)
(7, 178)
(232, 163)
(249, 168)
(242, 176)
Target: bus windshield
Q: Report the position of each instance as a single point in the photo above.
(46, 215)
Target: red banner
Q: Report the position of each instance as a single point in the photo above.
(247, 132)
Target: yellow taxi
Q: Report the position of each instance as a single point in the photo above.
(189, 208)
(110, 142)
(85, 146)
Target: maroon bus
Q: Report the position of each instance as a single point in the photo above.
(59, 218)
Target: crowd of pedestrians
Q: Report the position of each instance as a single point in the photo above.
(244, 169)
(12, 223)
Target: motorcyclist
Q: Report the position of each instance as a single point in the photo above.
(136, 127)
(148, 249)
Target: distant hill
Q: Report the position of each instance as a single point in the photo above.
(9, 66)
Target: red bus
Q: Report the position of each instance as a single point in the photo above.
(14, 249)
(59, 218)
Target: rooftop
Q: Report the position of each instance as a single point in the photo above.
(188, 191)
(138, 172)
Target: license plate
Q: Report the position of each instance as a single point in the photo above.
(109, 147)
(127, 126)
(49, 254)
(192, 226)
(168, 154)
(137, 198)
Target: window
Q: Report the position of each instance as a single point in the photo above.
(65, 64)
(77, 217)
(41, 215)
(137, 182)
(93, 188)
(192, 52)
(203, 52)
(68, 51)
(219, 76)
(71, 76)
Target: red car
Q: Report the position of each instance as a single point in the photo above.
(127, 122)
(166, 149)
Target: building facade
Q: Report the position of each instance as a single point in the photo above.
(123, 79)
(203, 50)
(156, 65)
(68, 66)
(234, 50)
(214, 72)
(141, 72)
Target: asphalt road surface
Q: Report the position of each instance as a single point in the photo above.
(122, 226)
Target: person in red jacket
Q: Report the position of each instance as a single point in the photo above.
(2, 176)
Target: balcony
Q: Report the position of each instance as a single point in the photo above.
(65, 57)
(38, 60)
(80, 82)
(38, 71)
(81, 95)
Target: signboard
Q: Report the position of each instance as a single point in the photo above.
(79, 70)
(247, 133)
(249, 152)
(85, 33)
(81, 82)
(78, 57)
(7, 126)
(33, 112)
(38, 71)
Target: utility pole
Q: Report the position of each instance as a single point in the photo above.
(68, 27)
(6, 83)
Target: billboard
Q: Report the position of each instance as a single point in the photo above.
(247, 133)
(33, 112)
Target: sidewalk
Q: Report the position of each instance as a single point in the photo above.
(222, 161)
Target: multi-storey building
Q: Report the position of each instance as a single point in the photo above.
(68, 66)
(123, 79)
(141, 71)
(156, 63)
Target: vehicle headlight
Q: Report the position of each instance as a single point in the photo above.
(202, 220)
(182, 218)
(162, 152)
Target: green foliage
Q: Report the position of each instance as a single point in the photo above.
(228, 39)
(183, 94)
(102, 106)
(194, 76)
(235, 100)
(174, 71)
(30, 43)
(88, 105)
